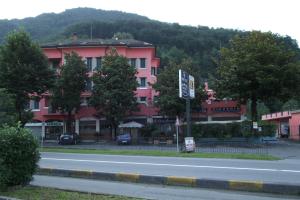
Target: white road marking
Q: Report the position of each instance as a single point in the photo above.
(174, 165)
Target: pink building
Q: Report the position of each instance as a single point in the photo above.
(140, 54)
(288, 123)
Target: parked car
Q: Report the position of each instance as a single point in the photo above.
(124, 138)
(68, 138)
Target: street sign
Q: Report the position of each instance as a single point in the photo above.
(255, 125)
(183, 84)
(189, 144)
(191, 87)
(186, 85)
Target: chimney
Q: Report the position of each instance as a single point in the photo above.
(74, 36)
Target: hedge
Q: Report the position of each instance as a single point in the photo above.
(229, 130)
(18, 156)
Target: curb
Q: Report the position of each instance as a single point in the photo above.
(249, 186)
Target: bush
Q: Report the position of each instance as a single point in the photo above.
(229, 130)
(18, 156)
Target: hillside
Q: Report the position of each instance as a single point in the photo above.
(46, 26)
(173, 41)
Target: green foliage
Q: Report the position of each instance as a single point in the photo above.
(7, 109)
(168, 87)
(229, 130)
(122, 36)
(259, 66)
(18, 156)
(24, 70)
(262, 109)
(149, 130)
(114, 88)
(291, 104)
(69, 85)
(42, 26)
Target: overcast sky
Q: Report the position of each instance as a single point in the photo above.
(278, 16)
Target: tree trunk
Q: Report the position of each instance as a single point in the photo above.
(19, 112)
(254, 108)
(69, 122)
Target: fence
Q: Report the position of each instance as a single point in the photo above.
(239, 145)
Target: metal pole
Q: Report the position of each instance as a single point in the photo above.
(177, 127)
(188, 117)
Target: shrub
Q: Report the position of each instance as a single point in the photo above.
(18, 156)
(229, 130)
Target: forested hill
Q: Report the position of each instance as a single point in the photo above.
(46, 26)
(173, 41)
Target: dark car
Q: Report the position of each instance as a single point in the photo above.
(124, 138)
(68, 138)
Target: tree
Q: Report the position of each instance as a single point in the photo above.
(69, 86)
(292, 104)
(114, 89)
(24, 72)
(168, 87)
(7, 109)
(258, 67)
(122, 36)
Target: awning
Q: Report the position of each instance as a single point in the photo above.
(131, 124)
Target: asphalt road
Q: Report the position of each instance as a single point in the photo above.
(282, 171)
(149, 191)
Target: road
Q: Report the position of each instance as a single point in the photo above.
(282, 171)
(149, 191)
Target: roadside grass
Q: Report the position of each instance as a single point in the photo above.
(44, 193)
(161, 153)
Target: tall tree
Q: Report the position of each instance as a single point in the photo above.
(24, 71)
(258, 67)
(7, 109)
(168, 87)
(69, 86)
(114, 89)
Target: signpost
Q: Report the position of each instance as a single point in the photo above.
(187, 92)
(177, 130)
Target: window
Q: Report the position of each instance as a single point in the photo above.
(155, 99)
(143, 82)
(89, 64)
(87, 127)
(133, 62)
(88, 85)
(98, 63)
(143, 99)
(33, 105)
(84, 101)
(36, 105)
(143, 63)
(153, 71)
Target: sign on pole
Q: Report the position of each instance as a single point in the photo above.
(186, 85)
(187, 92)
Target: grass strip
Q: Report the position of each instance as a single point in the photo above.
(44, 193)
(161, 153)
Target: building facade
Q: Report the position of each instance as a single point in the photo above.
(50, 123)
(140, 55)
(288, 123)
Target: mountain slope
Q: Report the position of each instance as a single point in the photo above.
(47, 25)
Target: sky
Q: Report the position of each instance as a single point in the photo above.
(277, 16)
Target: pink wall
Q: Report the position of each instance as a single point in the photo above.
(129, 52)
(294, 124)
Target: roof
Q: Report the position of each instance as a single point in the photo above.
(97, 42)
(131, 124)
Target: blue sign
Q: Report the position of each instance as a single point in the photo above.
(186, 85)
